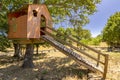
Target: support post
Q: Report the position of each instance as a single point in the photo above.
(105, 67)
(98, 60)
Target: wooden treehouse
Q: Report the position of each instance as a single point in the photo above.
(25, 23)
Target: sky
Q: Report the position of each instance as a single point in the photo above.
(98, 20)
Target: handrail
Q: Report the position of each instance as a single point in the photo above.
(105, 63)
(62, 41)
(80, 43)
(75, 56)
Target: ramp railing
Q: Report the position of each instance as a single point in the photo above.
(98, 57)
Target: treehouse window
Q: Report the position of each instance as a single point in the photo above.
(35, 13)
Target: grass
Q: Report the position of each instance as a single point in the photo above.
(114, 66)
(52, 66)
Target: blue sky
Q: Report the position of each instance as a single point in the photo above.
(105, 9)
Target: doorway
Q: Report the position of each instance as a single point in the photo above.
(42, 24)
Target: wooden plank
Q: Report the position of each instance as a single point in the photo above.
(88, 64)
(106, 66)
(18, 27)
(84, 53)
(98, 60)
(33, 22)
(98, 52)
(73, 55)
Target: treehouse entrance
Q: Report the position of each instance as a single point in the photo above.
(42, 24)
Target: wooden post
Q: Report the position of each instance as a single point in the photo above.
(105, 67)
(98, 60)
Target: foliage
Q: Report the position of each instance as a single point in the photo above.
(60, 31)
(79, 34)
(85, 41)
(92, 41)
(74, 11)
(96, 40)
(111, 32)
(4, 43)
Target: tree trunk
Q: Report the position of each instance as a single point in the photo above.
(28, 58)
(17, 50)
(0, 6)
(36, 2)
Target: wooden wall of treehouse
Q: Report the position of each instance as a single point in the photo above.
(26, 22)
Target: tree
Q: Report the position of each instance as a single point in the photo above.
(73, 10)
(17, 50)
(0, 5)
(4, 43)
(82, 35)
(8, 6)
(28, 58)
(111, 32)
(76, 11)
(86, 34)
(36, 1)
(60, 31)
(96, 41)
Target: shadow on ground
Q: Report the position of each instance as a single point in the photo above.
(46, 68)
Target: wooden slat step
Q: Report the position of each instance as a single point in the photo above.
(78, 58)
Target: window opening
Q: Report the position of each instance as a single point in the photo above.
(35, 13)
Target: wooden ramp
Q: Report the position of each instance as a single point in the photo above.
(73, 52)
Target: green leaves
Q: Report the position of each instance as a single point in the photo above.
(4, 43)
(111, 32)
(78, 33)
(77, 11)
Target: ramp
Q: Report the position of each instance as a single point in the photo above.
(59, 44)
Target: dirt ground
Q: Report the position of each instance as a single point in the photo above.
(52, 65)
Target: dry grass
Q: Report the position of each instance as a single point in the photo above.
(49, 66)
(52, 66)
(114, 66)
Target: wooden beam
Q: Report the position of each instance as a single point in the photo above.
(82, 52)
(105, 67)
(90, 48)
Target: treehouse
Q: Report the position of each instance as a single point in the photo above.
(25, 23)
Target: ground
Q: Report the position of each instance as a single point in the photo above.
(52, 65)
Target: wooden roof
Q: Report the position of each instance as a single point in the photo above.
(24, 10)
